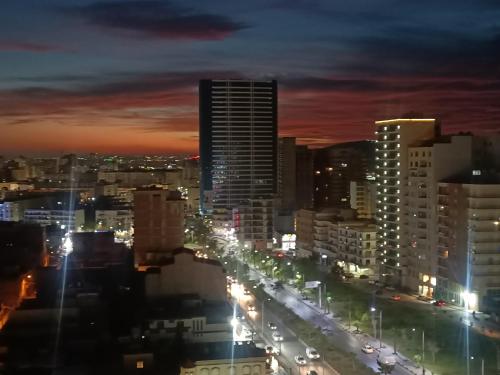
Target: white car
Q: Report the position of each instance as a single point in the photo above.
(277, 336)
(312, 353)
(300, 360)
(368, 349)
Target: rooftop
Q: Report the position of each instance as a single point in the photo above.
(221, 350)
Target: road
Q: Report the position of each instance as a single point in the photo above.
(332, 328)
(289, 347)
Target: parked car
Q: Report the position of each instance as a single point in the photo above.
(396, 297)
(277, 336)
(312, 353)
(368, 349)
(439, 303)
(300, 360)
(363, 277)
(272, 326)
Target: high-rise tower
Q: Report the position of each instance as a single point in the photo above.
(238, 143)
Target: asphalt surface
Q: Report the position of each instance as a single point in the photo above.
(333, 330)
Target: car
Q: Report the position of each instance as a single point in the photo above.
(246, 292)
(311, 372)
(312, 353)
(250, 307)
(396, 297)
(363, 277)
(439, 303)
(391, 288)
(300, 360)
(386, 360)
(272, 326)
(368, 349)
(371, 282)
(272, 350)
(277, 336)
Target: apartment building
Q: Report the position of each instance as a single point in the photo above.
(468, 241)
(393, 139)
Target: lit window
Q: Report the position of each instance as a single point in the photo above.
(139, 364)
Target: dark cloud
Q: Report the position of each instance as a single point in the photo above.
(432, 53)
(159, 19)
(20, 46)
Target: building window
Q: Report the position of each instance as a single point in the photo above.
(139, 364)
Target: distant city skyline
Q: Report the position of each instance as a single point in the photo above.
(121, 76)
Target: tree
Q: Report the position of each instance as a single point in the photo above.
(433, 347)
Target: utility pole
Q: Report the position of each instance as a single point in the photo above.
(319, 294)
(423, 351)
(349, 313)
(482, 366)
(380, 328)
(262, 319)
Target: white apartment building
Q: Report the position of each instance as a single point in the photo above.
(117, 220)
(428, 163)
(393, 139)
(73, 220)
(356, 246)
(468, 242)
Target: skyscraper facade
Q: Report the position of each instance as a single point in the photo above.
(238, 142)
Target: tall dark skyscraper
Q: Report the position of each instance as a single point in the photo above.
(238, 142)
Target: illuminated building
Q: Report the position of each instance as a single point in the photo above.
(391, 158)
(428, 163)
(253, 223)
(468, 241)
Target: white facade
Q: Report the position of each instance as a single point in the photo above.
(10, 211)
(468, 243)
(71, 220)
(354, 246)
(428, 164)
(121, 220)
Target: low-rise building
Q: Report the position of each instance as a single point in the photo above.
(355, 246)
(181, 272)
(225, 358)
(73, 220)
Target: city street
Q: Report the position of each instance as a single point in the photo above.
(291, 345)
(332, 328)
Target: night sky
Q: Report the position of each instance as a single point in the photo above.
(121, 76)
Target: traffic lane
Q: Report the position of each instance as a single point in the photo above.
(337, 334)
(352, 343)
(289, 347)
